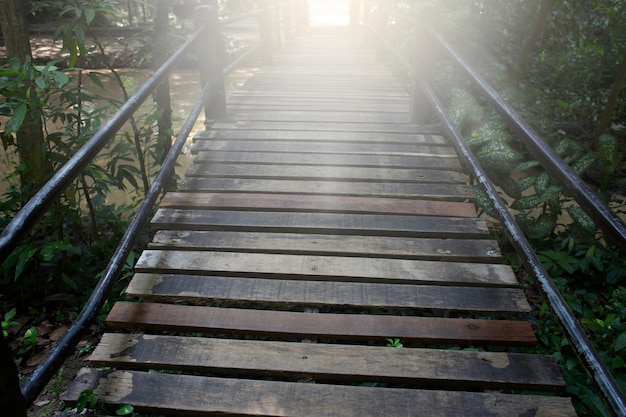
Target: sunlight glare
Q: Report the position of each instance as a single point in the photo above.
(329, 12)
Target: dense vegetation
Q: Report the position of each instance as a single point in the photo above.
(561, 63)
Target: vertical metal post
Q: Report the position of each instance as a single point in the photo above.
(162, 92)
(266, 32)
(423, 70)
(210, 60)
(12, 402)
(274, 23)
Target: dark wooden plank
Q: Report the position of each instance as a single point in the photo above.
(285, 293)
(157, 393)
(307, 172)
(449, 192)
(320, 136)
(325, 147)
(325, 362)
(179, 318)
(326, 268)
(397, 161)
(316, 203)
(434, 249)
(322, 223)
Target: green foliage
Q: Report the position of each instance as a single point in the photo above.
(7, 320)
(86, 399)
(396, 343)
(72, 242)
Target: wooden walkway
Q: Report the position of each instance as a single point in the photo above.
(313, 230)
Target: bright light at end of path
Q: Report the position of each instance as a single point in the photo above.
(329, 12)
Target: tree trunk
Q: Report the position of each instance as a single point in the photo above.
(30, 142)
(607, 114)
(520, 66)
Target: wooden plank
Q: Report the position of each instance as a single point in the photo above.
(434, 249)
(353, 148)
(322, 223)
(326, 126)
(397, 161)
(310, 105)
(325, 362)
(317, 203)
(320, 136)
(305, 172)
(325, 267)
(179, 318)
(321, 116)
(283, 294)
(157, 393)
(449, 192)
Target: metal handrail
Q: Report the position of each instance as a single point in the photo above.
(574, 331)
(613, 228)
(26, 219)
(597, 209)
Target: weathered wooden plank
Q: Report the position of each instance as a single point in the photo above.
(179, 318)
(306, 172)
(157, 393)
(364, 160)
(437, 191)
(326, 126)
(309, 105)
(325, 267)
(353, 148)
(325, 362)
(285, 293)
(321, 116)
(451, 250)
(322, 223)
(317, 203)
(261, 98)
(320, 136)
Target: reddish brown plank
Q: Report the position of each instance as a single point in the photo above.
(180, 318)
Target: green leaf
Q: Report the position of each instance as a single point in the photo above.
(86, 399)
(527, 165)
(582, 219)
(125, 410)
(60, 78)
(608, 151)
(90, 14)
(30, 337)
(542, 227)
(620, 342)
(94, 77)
(18, 117)
(527, 202)
(481, 200)
(582, 164)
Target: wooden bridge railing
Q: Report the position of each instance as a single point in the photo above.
(420, 67)
(206, 42)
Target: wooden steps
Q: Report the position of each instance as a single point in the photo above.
(316, 230)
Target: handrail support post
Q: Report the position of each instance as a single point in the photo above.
(211, 63)
(423, 62)
(266, 33)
